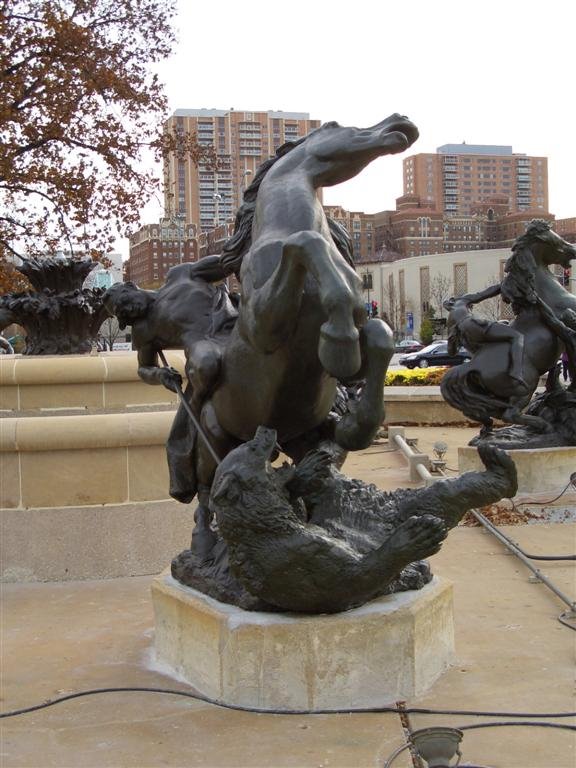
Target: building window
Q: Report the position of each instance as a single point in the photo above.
(424, 224)
(367, 281)
(425, 288)
(460, 279)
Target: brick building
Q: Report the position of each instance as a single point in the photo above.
(243, 140)
(566, 228)
(361, 228)
(460, 176)
(154, 248)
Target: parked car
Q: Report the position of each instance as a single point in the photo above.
(435, 354)
(408, 345)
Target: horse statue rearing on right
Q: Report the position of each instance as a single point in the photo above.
(488, 386)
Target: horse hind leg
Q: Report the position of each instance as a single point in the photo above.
(356, 430)
(514, 415)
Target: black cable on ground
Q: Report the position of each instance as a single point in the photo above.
(543, 503)
(548, 558)
(259, 710)
(475, 726)
(568, 618)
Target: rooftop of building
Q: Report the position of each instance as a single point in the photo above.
(273, 114)
(474, 149)
(491, 150)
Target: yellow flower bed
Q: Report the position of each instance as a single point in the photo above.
(418, 377)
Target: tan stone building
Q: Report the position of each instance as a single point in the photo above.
(243, 140)
(408, 288)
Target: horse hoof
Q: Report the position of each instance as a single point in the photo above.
(340, 357)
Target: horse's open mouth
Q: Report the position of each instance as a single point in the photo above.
(407, 130)
(399, 138)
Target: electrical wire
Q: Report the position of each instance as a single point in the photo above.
(260, 710)
(547, 558)
(567, 618)
(543, 503)
(475, 726)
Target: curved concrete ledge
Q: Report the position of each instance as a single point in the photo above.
(110, 380)
(106, 380)
(61, 433)
(66, 461)
(92, 542)
(419, 406)
(540, 470)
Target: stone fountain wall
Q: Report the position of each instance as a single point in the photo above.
(83, 473)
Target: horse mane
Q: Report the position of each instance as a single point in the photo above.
(238, 244)
(519, 284)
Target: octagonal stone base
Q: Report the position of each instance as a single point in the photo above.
(391, 649)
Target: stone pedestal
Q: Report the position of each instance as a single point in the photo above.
(540, 470)
(391, 649)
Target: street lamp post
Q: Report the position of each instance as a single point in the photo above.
(177, 220)
(217, 200)
(367, 279)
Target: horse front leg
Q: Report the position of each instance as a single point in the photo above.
(340, 292)
(357, 429)
(271, 309)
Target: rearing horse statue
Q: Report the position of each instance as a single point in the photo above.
(488, 386)
(302, 322)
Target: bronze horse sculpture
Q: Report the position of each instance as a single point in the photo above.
(264, 376)
(484, 389)
(302, 322)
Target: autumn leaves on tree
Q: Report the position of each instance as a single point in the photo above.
(81, 111)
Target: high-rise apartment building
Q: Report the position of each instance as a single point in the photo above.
(360, 226)
(242, 140)
(460, 177)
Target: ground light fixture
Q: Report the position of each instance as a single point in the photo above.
(440, 449)
(438, 746)
(439, 463)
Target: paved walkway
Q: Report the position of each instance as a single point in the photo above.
(512, 655)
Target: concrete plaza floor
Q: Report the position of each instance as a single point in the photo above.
(512, 654)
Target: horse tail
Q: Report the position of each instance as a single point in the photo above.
(456, 390)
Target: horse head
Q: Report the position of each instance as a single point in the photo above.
(547, 246)
(337, 153)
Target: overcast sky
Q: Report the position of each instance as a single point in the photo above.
(490, 72)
